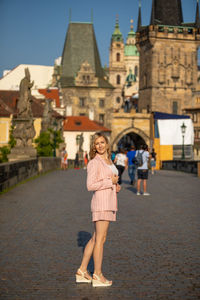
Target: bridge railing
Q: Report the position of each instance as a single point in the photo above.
(189, 166)
(12, 173)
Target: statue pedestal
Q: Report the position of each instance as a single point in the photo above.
(23, 133)
(22, 153)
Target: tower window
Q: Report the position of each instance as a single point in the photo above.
(194, 117)
(118, 99)
(101, 102)
(118, 57)
(175, 108)
(101, 118)
(82, 102)
(118, 79)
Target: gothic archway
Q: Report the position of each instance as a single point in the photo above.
(128, 137)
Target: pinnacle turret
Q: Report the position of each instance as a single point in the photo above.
(139, 23)
(197, 20)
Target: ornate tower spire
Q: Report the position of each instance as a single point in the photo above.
(117, 35)
(139, 23)
(131, 35)
(131, 32)
(197, 20)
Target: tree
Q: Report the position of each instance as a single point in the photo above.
(47, 142)
(12, 141)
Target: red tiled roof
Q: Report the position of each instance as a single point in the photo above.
(82, 123)
(51, 94)
(5, 111)
(9, 98)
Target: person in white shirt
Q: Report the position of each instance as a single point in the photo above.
(142, 171)
(121, 162)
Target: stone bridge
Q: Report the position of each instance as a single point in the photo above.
(152, 251)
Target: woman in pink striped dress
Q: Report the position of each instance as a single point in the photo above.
(102, 178)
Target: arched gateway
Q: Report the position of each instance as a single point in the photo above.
(130, 129)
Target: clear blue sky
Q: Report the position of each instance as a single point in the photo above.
(33, 31)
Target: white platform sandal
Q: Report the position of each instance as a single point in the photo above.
(82, 278)
(96, 281)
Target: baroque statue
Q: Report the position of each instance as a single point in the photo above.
(24, 130)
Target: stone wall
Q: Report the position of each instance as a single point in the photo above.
(12, 173)
(184, 166)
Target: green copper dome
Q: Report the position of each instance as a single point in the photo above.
(131, 50)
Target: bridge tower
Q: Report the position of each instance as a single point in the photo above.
(168, 58)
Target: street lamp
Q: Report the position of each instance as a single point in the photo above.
(183, 129)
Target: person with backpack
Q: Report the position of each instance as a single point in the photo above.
(142, 158)
(131, 164)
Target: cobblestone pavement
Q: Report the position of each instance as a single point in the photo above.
(152, 251)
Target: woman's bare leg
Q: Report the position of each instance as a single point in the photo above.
(101, 234)
(87, 253)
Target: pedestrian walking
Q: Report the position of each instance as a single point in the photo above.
(142, 171)
(64, 159)
(131, 164)
(102, 178)
(76, 161)
(121, 162)
(153, 161)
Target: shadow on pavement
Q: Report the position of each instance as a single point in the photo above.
(83, 238)
(132, 189)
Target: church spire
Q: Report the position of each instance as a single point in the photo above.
(197, 20)
(117, 35)
(139, 23)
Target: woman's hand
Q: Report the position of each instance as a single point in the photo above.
(118, 188)
(114, 179)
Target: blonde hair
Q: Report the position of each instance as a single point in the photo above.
(93, 146)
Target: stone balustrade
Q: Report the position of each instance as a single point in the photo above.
(182, 165)
(12, 173)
